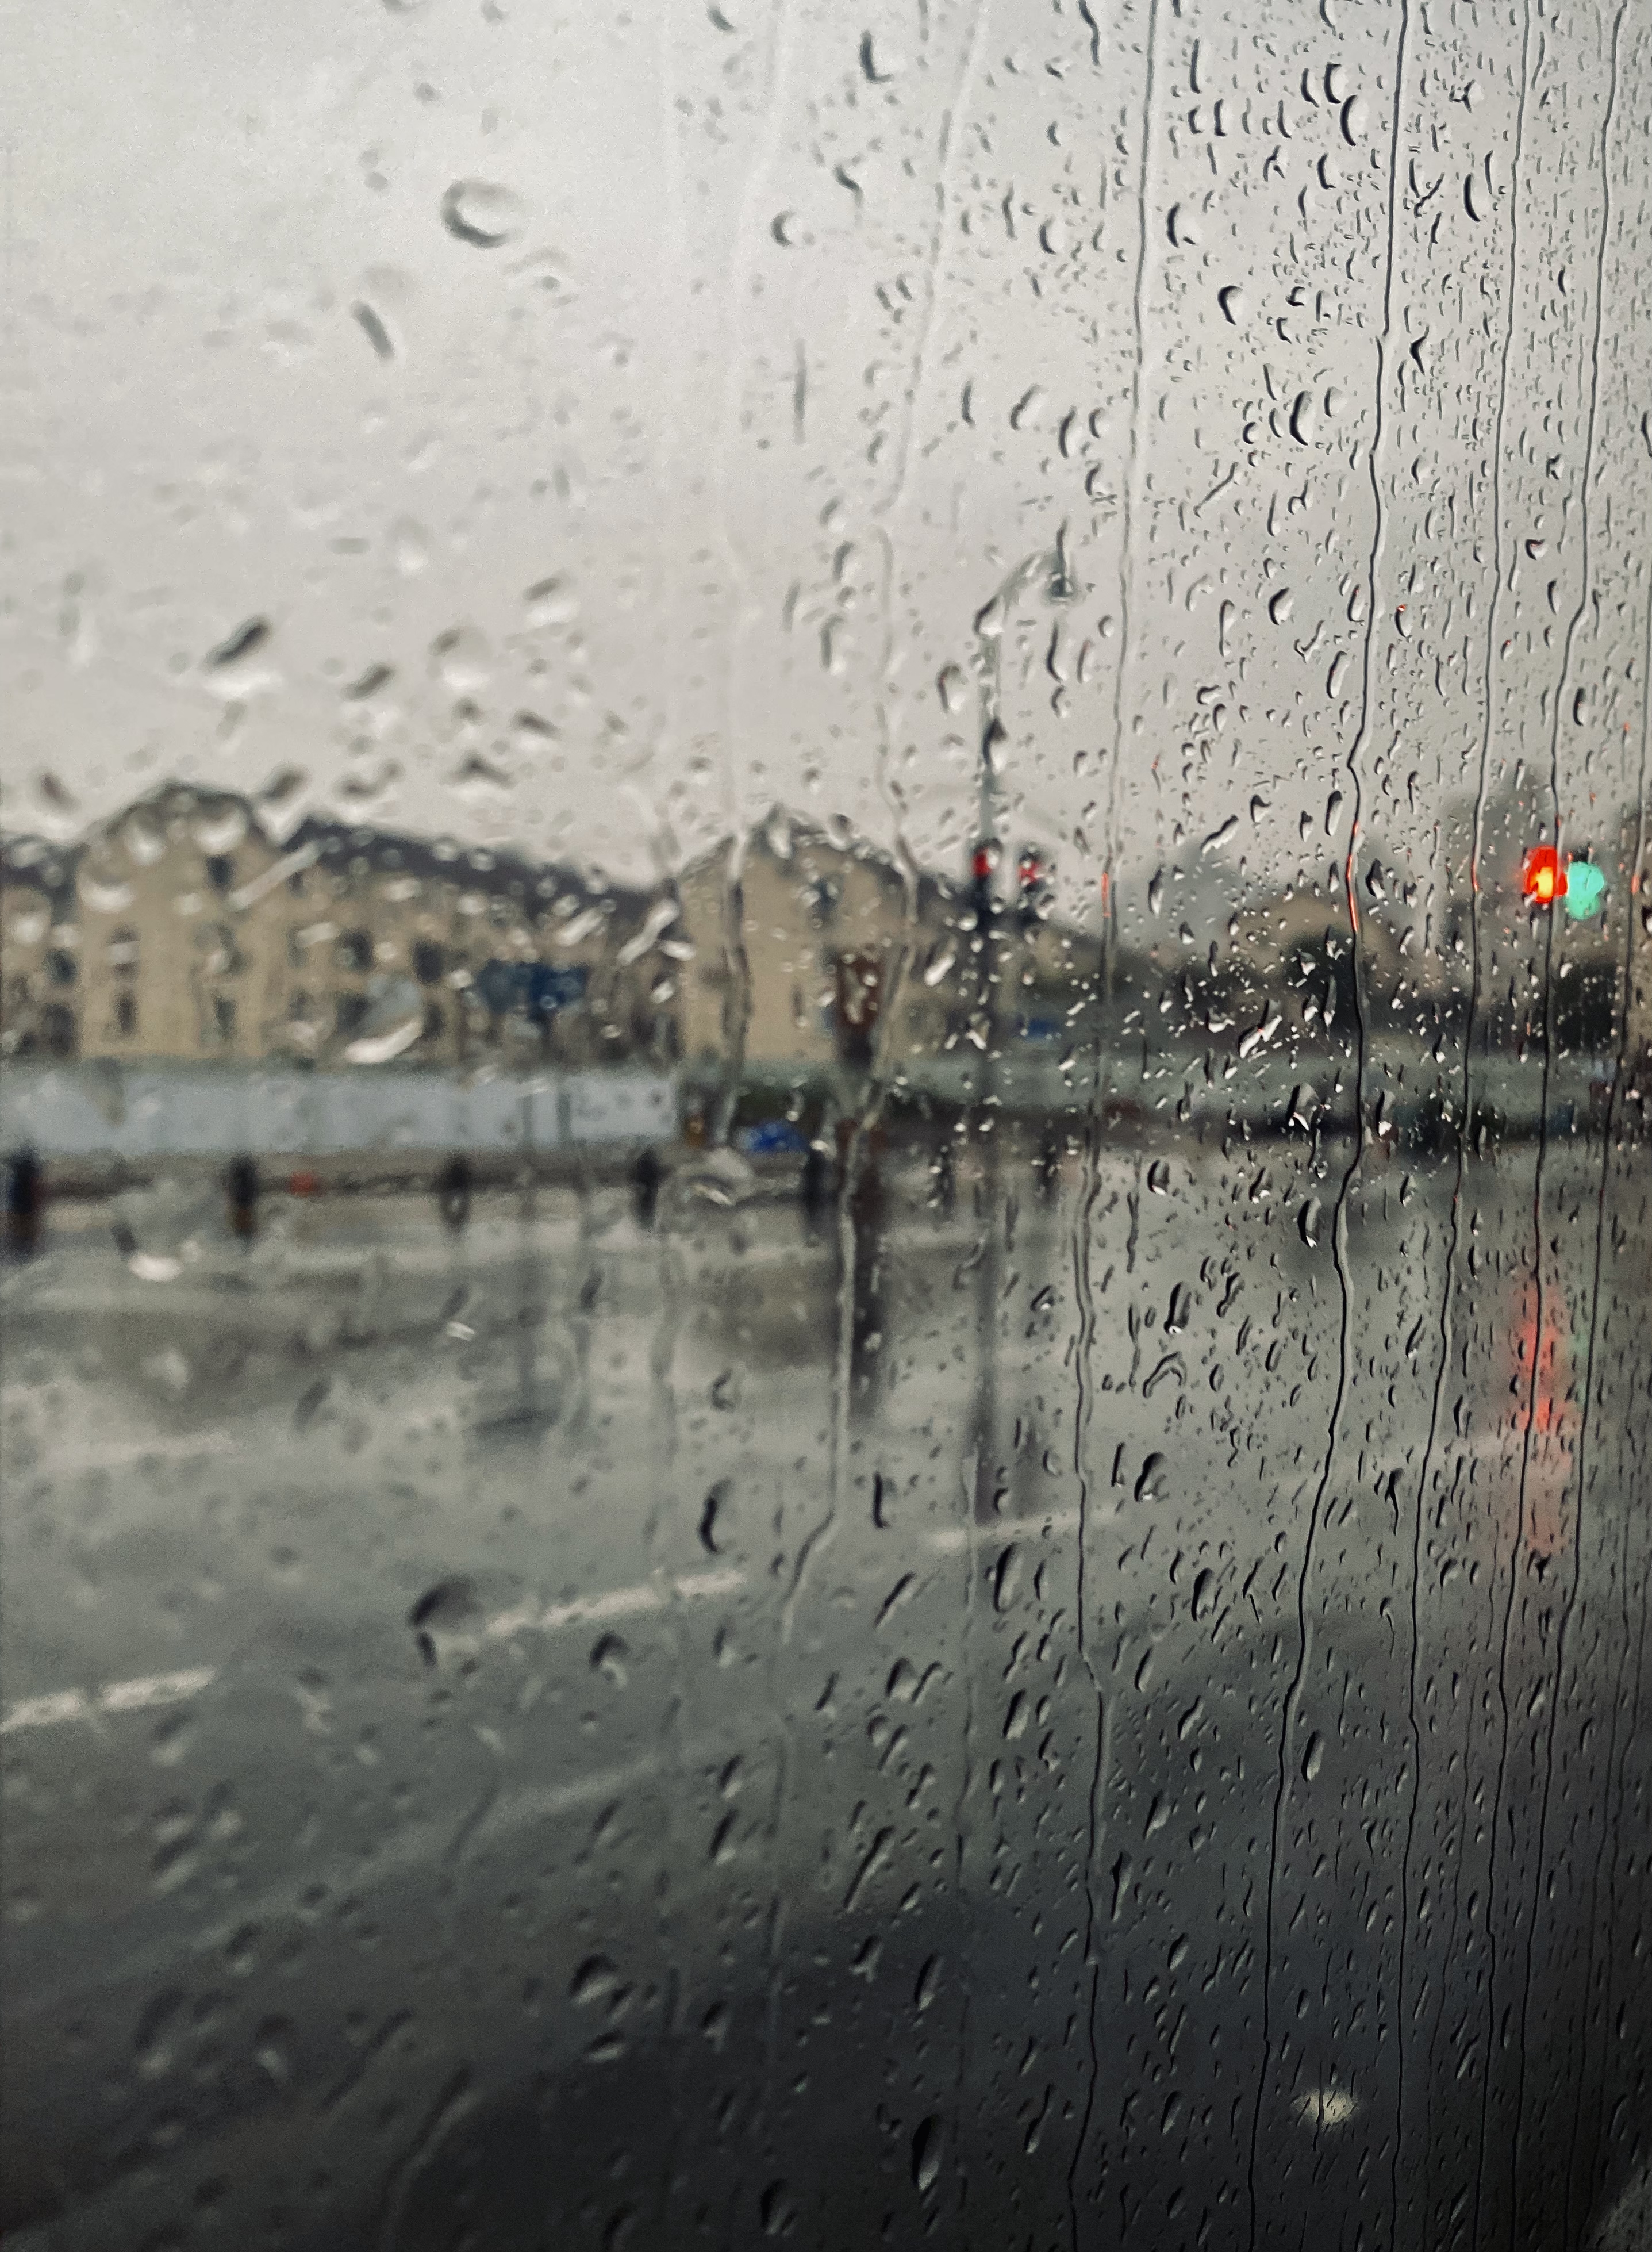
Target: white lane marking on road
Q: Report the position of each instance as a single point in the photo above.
(46, 1711)
(700, 1586)
(142, 1694)
(696, 1585)
(156, 1689)
(149, 1689)
(619, 1603)
(949, 1538)
(122, 1454)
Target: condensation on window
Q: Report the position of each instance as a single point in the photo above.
(823, 1034)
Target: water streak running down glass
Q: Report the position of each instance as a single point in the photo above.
(824, 1027)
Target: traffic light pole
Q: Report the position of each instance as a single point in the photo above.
(1049, 573)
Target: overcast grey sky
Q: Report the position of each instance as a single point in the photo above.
(795, 332)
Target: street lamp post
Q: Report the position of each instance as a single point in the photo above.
(1049, 574)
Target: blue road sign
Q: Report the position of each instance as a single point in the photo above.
(531, 989)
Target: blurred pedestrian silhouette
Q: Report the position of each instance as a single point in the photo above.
(944, 1194)
(452, 1193)
(240, 1185)
(25, 1194)
(815, 1187)
(1047, 1164)
(646, 1176)
(863, 1196)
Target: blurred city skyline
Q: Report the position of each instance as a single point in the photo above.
(190, 927)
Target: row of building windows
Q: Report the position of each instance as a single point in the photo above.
(353, 951)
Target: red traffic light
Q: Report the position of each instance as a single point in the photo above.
(985, 860)
(1542, 878)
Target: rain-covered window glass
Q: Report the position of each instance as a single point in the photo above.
(823, 1040)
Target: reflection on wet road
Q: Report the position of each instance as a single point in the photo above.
(907, 1714)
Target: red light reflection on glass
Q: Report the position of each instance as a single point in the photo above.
(1542, 878)
(1546, 1364)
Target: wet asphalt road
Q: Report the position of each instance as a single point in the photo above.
(1110, 1712)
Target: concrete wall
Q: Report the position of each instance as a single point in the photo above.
(85, 1110)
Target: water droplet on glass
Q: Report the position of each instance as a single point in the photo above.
(595, 1982)
(106, 896)
(239, 666)
(1006, 1577)
(551, 602)
(609, 1658)
(483, 214)
(709, 1513)
(394, 1023)
(272, 2050)
(929, 2146)
(409, 546)
(374, 328)
(154, 2043)
(775, 2209)
(878, 63)
(463, 659)
(241, 643)
(928, 1985)
(446, 1612)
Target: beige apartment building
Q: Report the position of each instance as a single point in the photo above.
(39, 952)
(799, 942)
(183, 930)
(815, 955)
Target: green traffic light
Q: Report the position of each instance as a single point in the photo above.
(1586, 890)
